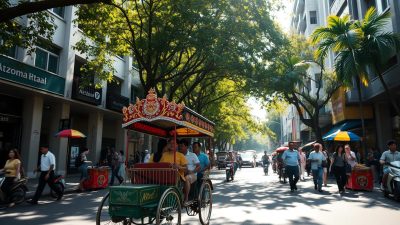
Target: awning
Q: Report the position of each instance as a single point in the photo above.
(343, 126)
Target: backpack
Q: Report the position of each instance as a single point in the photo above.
(78, 161)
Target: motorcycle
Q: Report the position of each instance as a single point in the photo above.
(266, 165)
(18, 191)
(59, 182)
(230, 171)
(393, 181)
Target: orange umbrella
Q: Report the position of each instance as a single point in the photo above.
(70, 133)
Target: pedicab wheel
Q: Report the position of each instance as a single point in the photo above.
(102, 216)
(205, 203)
(169, 208)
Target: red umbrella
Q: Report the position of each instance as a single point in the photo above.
(281, 149)
(70, 133)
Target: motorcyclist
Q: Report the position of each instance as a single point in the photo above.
(387, 157)
(231, 158)
(265, 159)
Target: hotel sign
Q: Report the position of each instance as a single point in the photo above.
(21, 73)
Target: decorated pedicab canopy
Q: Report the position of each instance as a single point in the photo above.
(160, 117)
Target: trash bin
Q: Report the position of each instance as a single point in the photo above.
(98, 177)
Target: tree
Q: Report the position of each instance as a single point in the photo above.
(359, 46)
(289, 79)
(176, 43)
(10, 11)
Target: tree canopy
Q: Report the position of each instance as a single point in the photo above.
(177, 41)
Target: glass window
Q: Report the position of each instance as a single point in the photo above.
(46, 60)
(313, 17)
(12, 52)
(385, 4)
(53, 63)
(41, 59)
(59, 11)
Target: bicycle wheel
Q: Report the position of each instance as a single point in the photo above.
(205, 203)
(169, 208)
(102, 216)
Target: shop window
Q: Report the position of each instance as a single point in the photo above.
(313, 17)
(46, 60)
(59, 11)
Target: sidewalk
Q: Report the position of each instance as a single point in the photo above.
(71, 184)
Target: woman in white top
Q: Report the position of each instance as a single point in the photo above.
(350, 156)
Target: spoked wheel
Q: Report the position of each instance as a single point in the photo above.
(103, 218)
(169, 208)
(205, 203)
(60, 187)
(18, 196)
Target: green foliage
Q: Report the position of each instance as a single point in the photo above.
(25, 32)
(182, 41)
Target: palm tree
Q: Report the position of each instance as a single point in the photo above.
(362, 47)
(344, 38)
(378, 46)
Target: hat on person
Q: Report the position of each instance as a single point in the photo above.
(146, 151)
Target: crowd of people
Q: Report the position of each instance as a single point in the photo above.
(319, 163)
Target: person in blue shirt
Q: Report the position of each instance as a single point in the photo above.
(291, 159)
(203, 158)
(316, 158)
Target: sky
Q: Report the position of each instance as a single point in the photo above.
(283, 19)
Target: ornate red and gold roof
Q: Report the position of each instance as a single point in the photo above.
(159, 117)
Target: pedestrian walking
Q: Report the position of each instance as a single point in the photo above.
(83, 163)
(338, 167)
(47, 167)
(316, 159)
(351, 158)
(303, 162)
(115, 166)
(291, 159)
(325, 167)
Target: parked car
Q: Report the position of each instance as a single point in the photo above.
(221, 159)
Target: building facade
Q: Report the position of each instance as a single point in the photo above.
(41, 94)
(380, 118)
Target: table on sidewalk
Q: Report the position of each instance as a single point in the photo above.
(361, 179)
(97, 178)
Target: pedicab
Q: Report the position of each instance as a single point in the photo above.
(155, 194)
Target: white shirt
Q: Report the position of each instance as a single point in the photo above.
(192, 161)
(146, 158)
(46, 160)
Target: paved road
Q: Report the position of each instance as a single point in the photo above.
(251, 199)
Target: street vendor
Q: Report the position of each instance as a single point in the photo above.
(350, 156)
(387, 157)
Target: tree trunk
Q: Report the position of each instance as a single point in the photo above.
(388, 93)
(360, 104)
(318, 132)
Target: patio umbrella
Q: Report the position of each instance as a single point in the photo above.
(281, 149)
(343, 136)
(70, 133)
